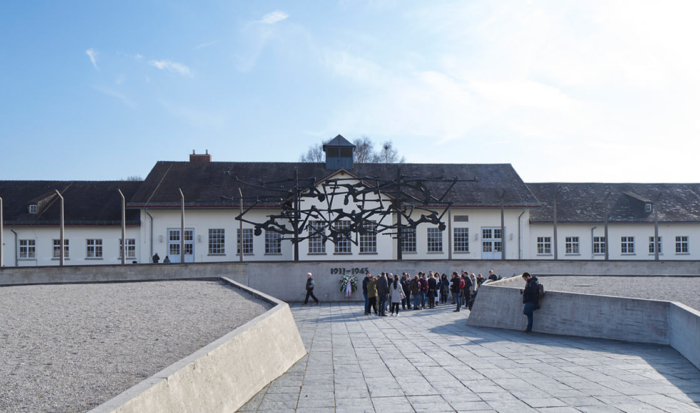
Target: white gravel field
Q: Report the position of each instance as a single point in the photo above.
(69, 348)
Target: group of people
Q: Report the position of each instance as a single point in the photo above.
(391, 291)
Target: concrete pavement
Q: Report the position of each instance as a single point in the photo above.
(430, 360)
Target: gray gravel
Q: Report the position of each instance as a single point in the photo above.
(68, 348)
(682, 289)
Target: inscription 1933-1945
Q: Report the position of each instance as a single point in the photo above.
(353, 271)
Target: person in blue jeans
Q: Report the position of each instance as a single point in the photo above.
(531, 299)
(383, 291)
(456, 291)
(415, 292)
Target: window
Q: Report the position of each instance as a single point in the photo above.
(682, 245)
(217, 241)
(647, 207)
(94, 248)
(27, 249)
(317, 239)
(408, 243)
(273, 242)
(130, 248)
(599, 245)
(461, 218)
(544, 245)
(461, 239)
(572, 245)
(434, 240)
(343, 244)
(627, 245)
(368, 240)
(247, 241)
(57, 248)
(33, 209)
(651, 245)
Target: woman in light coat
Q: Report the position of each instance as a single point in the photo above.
(396, 295)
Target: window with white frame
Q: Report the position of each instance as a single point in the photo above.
(408, 241)
(130, 248)
(94, 248)
(368, 240)
(461, 239)
(27, 249)
(434, 240)
(317, 239)
(599, 245)
(57, 248)
(32, 209)
(651, 245)
(273, 242)
(682, 245)
(544, 245)
(627, 245)
(247, 241)
(572, 245)
(343, 244)
(217, 241)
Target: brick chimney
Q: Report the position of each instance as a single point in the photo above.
(195, 157)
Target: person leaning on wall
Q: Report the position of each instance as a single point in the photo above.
(531, 299)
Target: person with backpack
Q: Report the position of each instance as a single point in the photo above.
(457, 285)
(531, 299)
(415, 292)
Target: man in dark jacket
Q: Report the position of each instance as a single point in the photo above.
(406, 285)
(382, 290)
(364, 292)
(454, 287)
(415, 291)
(493, 276)
(423, 290)
(432, 290)
(531, 298)
(466, 291)
(310, 289)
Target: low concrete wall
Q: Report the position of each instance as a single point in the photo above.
(595, 316)
(616, 318)
(286, 280)
(225, 374)
(685, 331)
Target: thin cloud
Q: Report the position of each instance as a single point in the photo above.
(138, 56)
(92, 54)
(170, 66)
(110, 92)
(274, 17)
(203, 45)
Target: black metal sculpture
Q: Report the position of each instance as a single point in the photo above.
(406, 195)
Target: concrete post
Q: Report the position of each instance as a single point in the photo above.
(62, 253)
(556, 239)
(399, 236)
(607, 238)
(656, 229)
(240, 227)
(182, 227)
(503, 227)
(123, 227)
(2, 237)
(295, 223)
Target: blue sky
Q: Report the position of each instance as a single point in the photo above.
(565, 91)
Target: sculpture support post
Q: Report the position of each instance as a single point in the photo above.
(123, 248)
(182, 227)
(62, 253)
(240, 227)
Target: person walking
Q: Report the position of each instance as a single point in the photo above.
(395, 295)
(372, 295)
(415, 292)
(456, 288)
(310, 289)
(382, 290)
(364, 292)
(531, 299)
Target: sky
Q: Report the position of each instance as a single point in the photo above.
(574, 91)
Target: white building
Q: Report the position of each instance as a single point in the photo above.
(493, 214)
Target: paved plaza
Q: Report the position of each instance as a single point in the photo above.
(431, 361)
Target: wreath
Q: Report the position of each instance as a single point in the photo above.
(345, 279)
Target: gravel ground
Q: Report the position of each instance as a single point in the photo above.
(682, 289)
(69, 348)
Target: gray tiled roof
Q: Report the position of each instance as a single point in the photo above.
(86, 202)
(585, 202)
(208, 184)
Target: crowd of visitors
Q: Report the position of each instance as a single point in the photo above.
(423, 290)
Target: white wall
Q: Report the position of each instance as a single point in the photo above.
(640, 232)
(77, 247)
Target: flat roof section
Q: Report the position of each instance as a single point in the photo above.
(73, 347)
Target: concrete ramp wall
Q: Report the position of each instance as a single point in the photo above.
(593, 316)
(225, 374)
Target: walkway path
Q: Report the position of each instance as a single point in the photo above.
(430, 361)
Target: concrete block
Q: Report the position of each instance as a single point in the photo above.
(685, 331)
